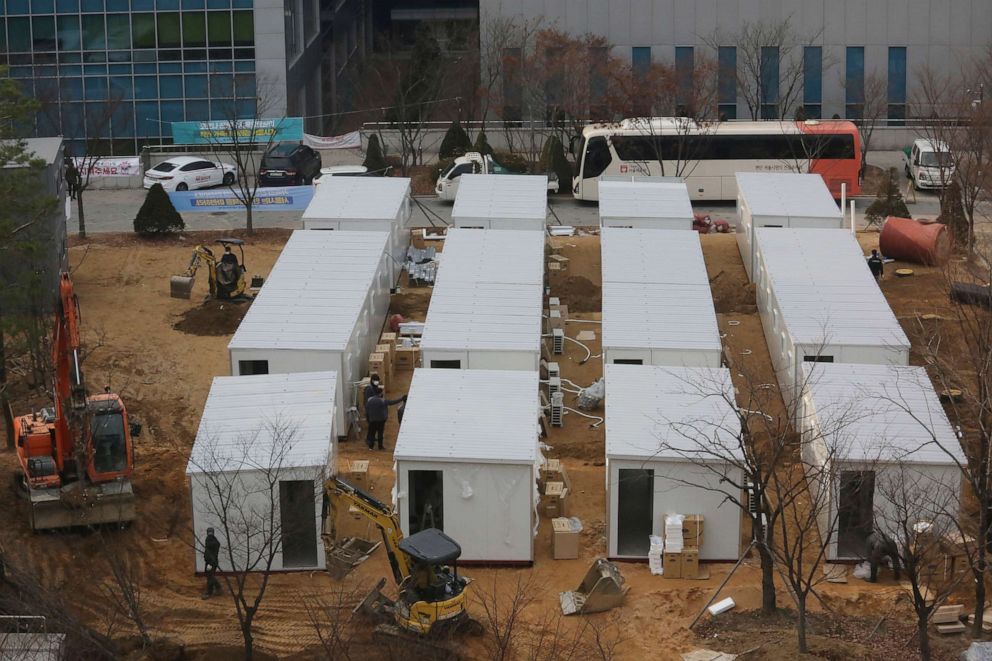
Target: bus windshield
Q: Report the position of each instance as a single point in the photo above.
(109, 445)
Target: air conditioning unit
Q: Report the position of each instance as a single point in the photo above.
(554, 319)
(557, 341)
(557, 409)
(553, 371)
(554, 385)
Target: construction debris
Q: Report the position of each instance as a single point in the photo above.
(707, 655)
(602, 589)
(722, 606)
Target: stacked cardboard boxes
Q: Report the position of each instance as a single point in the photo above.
(682, 552)
(565, 539)
(554, 500)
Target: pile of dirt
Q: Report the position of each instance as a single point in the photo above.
(212, 318)
(733, 297)
(581, 293)
(412, 303)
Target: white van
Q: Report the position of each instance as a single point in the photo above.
(929, 164)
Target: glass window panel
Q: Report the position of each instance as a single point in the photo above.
(3, 34)
(19, 30)
(70, 70)
(897, 75)
(244, 86)
(72, 119)
(221, 85)
(118, 5)
(167, 4)
(145, 87)
(198, 110)
(170, 67)
(170, 54)
(727, 74)
(221, 108)
(194, 29)
(172, 111)
(142, 5)
(242, 3)
(95, 56)
(72, 89)
(94, 69)
(145, 68)
(170, 87)
(244, 66)
(94, 37)
(218, 4)
(168, 30)
(143, 26)
(119, 56)
(640, 59)
(195, 67)
(244, 53)
(42, 6)
(120, 68)
(92, 5)
(195, 54)
(684, 64)
(219, 28)
(43, 33)
(196, 87)
(855, 79)
(122, 120)
(70, 57)
(96, 88)
(67, 6)
(244, 28)
(221, 66)
(769, 79)
(118, 31)
(146, 119)
(121, 87)
(812, 75)
(193, 4)
(18, 7)
(246, 108)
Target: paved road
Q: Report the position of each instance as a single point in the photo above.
(114, 210)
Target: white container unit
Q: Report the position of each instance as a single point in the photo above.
(501, 201)
(819, 303)
(485, 311)
(467, 460)
(256, 431)
(645, 205)
(367, 204)
(322, 308)
(654, 464)
(883, 427)
(657, 303)
(766, 199)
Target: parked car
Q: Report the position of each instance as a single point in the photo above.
(929, 164)
(340, 171)
(181, 173)
(289, 164)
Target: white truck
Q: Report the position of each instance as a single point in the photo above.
(929, 164)
(475, 163)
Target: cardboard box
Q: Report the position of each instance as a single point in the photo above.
(692, 530)
(565, 541)
(387, 351)
(388, 338)
(554, 471)
(690, 563)
(378, 365)
(673, 565)
(358, 472)
(407, 358)
(555, 499)
(554, 266)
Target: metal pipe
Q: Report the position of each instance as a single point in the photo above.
(843, 197)
(853, 229)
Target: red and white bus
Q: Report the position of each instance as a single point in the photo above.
(708, 155)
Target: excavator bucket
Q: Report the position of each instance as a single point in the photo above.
(602, 589)
(181, 286)
(351, 552)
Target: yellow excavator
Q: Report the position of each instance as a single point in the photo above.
(227, 279)
(432, 595)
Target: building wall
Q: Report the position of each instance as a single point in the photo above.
(936, 33)
(489, 509)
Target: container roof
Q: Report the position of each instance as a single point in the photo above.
(787, 195)
(471, 416)
(669, 317)
(47, 149)
(654, 413)
(648, 200)
(881, 412)
(501, 196)
(484, 316)
(265, 421)
(494, 256)
(363, 198)
(826, 293)
(652, 256)
(315, 292)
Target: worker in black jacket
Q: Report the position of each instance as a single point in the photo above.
(875, 265)
(211, 559)
(376, 413)
(373, 388)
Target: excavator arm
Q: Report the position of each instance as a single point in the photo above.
(339, 491)
(181, 286)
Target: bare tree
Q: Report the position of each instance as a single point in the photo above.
(957, 120)
(502, 42)
(244, 137)
(502, 617)
(236, 488)
(124, 593)
(769, 64)
(869, 113)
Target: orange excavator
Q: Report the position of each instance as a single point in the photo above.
(76, 458)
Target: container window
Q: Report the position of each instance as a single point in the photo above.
(250, 367)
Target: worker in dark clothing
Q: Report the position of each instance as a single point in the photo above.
(72, 178)
(374, 388)
(229, 257)
(211, 558)
(875, 265)
(376, 413)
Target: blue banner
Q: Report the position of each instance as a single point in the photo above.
(244, 130)
(290, 198)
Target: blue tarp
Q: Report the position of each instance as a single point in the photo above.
(290, 198)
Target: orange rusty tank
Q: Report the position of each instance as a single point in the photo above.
(910, 240)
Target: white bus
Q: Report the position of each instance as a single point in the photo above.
(708, 155)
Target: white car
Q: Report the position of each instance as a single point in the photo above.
(182, 173)
(340, 171)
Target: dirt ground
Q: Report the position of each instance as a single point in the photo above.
(160, 355)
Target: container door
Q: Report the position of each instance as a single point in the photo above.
(426, 500)
(297, 516)
(635, 511)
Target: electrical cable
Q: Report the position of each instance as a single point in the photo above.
(588, 353)
(586, 415)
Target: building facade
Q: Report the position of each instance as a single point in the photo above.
(121, 71)
(846, 41)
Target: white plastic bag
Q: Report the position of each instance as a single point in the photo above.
(862, 571)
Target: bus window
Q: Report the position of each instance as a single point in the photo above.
(597, 158)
